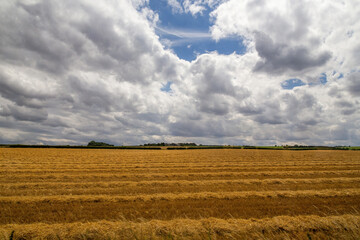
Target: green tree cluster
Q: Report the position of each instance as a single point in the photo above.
(98, 144)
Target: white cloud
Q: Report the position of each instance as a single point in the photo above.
(193, 7)
(183, 33)
(139, 3)
(74, 71)
(316, 30)
(176, 6)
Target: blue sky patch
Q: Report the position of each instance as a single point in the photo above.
(166, 87)
(292, 83)
(341, 75)
(323, 78)
(170, 20)
(188, 36)
(191, 48)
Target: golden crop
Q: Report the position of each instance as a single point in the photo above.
(179, 194)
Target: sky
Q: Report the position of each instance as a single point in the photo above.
(129, 72)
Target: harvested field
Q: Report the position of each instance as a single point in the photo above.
(179, 194)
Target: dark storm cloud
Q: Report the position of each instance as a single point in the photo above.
(280, 57)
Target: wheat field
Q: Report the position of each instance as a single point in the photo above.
(179, 194)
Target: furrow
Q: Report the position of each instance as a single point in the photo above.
(280, 227)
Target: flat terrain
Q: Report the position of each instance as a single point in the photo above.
(179, 194)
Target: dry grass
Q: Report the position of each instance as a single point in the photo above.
(129, 188)
(192, 194)
(282, 227)
(183, 196)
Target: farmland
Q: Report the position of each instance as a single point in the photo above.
(179, 194)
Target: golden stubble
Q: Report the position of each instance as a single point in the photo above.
(179, 194)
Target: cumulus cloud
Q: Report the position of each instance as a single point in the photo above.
(290, 37)
(277, 58)
(176, 6)
(194, 7)
(72, 71)
(353, 84)
(24, 114)
(22, 92)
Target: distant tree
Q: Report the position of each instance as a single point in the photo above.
(98, 144)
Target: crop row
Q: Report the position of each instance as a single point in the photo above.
(175, 170)
(283, 227)
(183, 196)
(176, 176)
(173, 186)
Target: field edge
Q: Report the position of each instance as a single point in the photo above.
(288, 227)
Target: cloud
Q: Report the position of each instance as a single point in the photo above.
(353, 84)
(24, 114)
(292, 83)
(72, 71)
(77, 60)
(139, 3)
(21, 92)
(278, 58)
(206, 128)
(216, 91)
(290, 37)
(194, 7)
(183, 34)
(176, 6)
